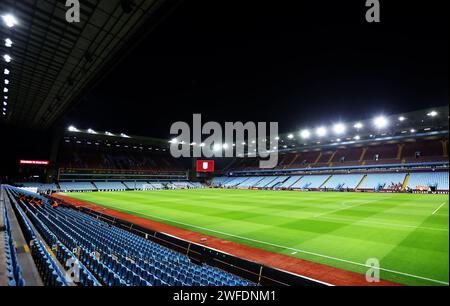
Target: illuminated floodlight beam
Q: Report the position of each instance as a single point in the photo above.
(5, 90)
(8, 43)
(321, 131)
(305, 134)
(6, 72)
(5, 103)
(109, 133)
(72, 129)
(339, 128)
(432, 114)
(6, 82)
(124, 135)
(358, 125)
(91, 131)
(9, 20)
(380, 122)
(7, 58)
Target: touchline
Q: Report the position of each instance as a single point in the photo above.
(229, 141)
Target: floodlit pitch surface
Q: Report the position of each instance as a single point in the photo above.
(407, 233)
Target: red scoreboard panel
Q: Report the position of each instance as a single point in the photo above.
(205, 166)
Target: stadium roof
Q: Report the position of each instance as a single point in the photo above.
(53, 62)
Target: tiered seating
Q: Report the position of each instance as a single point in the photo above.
(134, 185)
(76, 186)
(386, 154)
(277, 182)
(265, 181)
(110, 186)
(423, 151)
(312, 181)
(235, 181)
(250, 182)
(122, 258)
(14, 276)
(346, 156)
(341, 181)
(419, 180)
(379, 181)
(290, 181)
(40, 187)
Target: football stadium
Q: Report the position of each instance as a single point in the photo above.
(91, 197)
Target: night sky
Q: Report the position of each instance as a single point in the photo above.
(301, 65)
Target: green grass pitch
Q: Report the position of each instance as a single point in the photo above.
(407, 233)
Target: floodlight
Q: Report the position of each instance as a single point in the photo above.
(91, 131)
(412, 130)
(339, 128)
(217, 147)
(225, 146)
(124, 135)
(6, 82)
(401, 118)
(193, 144)
(72, 129)
(305, 134)
(5, 90)
(5, 103)
(6, 71)
(277, 138)
(291, 136)
(9, 20)
(109, 134)
(380, 122)
(174, 141)
(357, 137)
(202, 144)
(321, 131)
(7, 58)
(358, 125)
(432, 114)
(8, 43)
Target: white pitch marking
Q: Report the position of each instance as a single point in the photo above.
(304, 252)
(434, 212)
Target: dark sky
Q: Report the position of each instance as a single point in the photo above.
(296, 63)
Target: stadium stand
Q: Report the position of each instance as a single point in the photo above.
(424, 180)
(342, 181)
(311, 182)
(115, 256)
(12, 276)
(109, 186)
(77, 186)
(379, 181)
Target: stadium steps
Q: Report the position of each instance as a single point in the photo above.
(331, 158)
(362, 181)
(363, 155)
(405, 183)
(326, 181)
(445, 148)
(318, 157)
(400, 151)
(293, 160)
(28, 267)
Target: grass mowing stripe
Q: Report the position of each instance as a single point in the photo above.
(398, 229)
